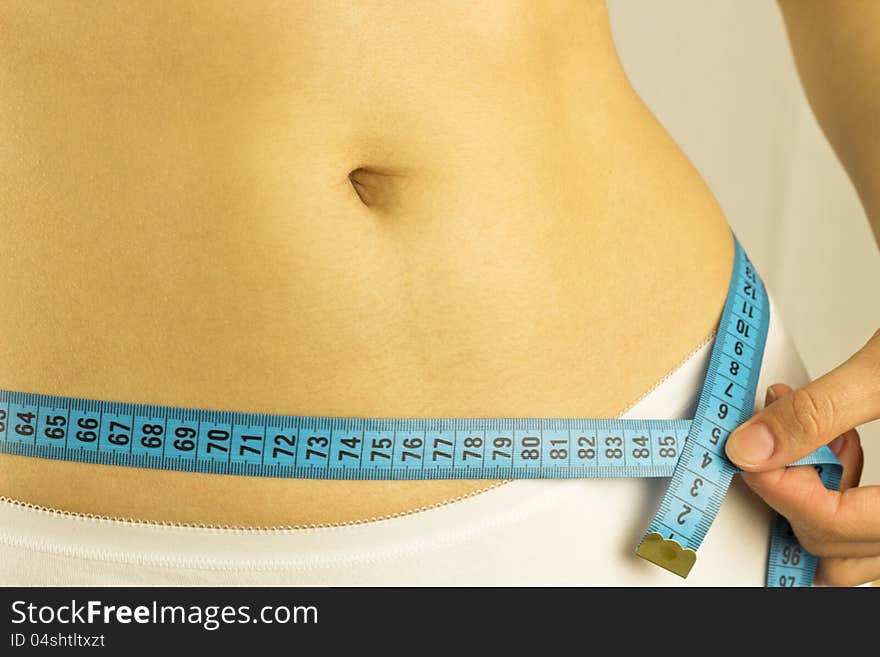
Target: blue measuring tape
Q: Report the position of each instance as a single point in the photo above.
(691, 452)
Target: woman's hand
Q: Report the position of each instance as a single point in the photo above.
(842, 527)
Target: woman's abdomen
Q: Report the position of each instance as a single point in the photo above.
(250, 212)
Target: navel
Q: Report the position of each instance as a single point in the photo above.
(377, 188)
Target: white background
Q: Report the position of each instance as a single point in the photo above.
(720, 76)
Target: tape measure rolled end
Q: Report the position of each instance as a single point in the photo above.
(667, 553)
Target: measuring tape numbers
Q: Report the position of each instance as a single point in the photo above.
(703, 474)
(690, 452)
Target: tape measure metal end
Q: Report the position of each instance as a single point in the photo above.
(667, 553)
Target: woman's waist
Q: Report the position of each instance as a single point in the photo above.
(456, 334)
(566, 510)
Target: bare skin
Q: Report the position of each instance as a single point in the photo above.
(399, 209)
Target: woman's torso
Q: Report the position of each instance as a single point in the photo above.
(522, 237)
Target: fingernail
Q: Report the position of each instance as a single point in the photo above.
(837, 445)
(770, 397)
(752, 445)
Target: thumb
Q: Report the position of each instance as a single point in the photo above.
(801, 422)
